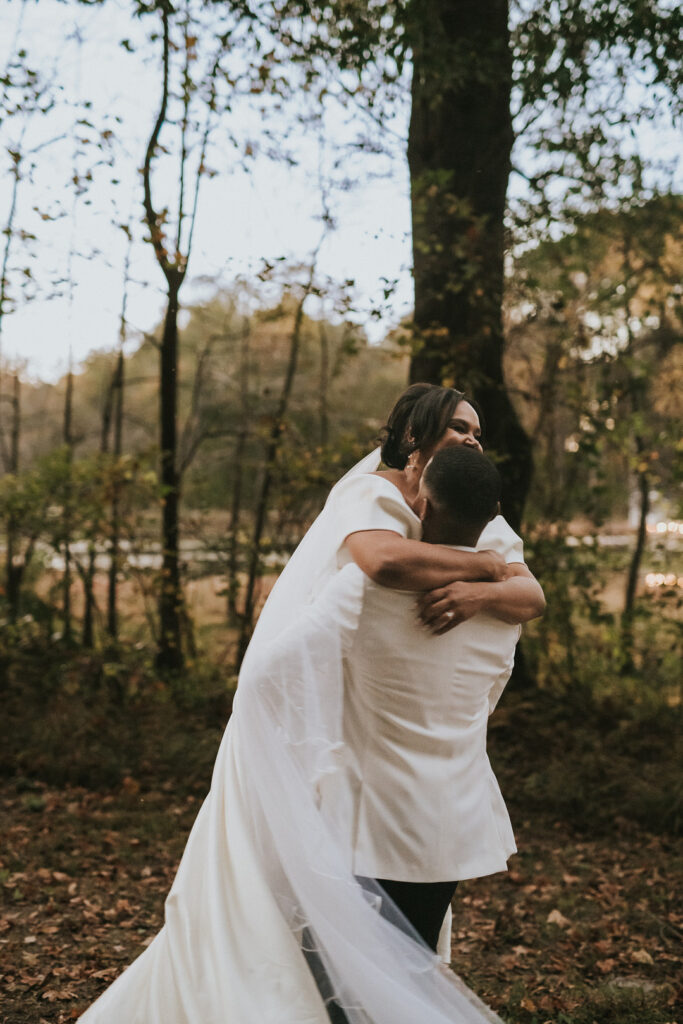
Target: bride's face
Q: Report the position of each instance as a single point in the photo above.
(464, 428)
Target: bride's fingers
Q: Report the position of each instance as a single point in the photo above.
(431, 597)
(444, 623)
(430, 613)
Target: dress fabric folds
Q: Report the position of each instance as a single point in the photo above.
(265, 894)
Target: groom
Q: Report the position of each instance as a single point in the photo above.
(427, 810)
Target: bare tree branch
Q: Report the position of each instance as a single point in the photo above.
(151, 215)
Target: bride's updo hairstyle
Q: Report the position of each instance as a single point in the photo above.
(417, 421)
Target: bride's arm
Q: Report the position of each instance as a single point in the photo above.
(515, 600)
(394, 561)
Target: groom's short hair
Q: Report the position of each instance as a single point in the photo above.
(463, 485)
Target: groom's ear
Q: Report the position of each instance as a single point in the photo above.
(424, 508)
(496, 513)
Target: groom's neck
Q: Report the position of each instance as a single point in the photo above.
(445, 532)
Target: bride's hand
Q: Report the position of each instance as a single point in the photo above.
(495, 568)
(445, 607)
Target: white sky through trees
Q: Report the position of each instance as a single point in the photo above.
(254, 209)
(268, 211)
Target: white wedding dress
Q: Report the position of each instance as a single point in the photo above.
(266, 873)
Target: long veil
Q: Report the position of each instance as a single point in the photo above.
(265, 922)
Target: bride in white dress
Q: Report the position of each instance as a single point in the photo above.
(265, 887)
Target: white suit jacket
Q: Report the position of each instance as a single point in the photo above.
(425, 803)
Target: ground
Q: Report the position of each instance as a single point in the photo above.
(580, 930)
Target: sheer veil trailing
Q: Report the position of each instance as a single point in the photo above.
(265, 922)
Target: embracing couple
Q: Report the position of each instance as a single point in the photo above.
(352, 790)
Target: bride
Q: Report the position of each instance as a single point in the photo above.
(265, 897)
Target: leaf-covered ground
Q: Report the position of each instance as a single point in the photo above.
(579, 931)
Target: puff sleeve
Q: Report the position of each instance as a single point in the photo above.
(369, 502)
(499, 536)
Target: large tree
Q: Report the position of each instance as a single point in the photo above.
(459, 150)
(553, 93)
(197, 82)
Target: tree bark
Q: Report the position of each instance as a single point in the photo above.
(67, 632)
(323, 405)
(88, 577)
(634, 569)
(169, 652)
(115, 512)
(174, 267)
(15, 566)
(238, 470)
(459, 147)
(636, 558)
(169, 655)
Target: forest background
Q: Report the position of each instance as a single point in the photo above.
(151, 492)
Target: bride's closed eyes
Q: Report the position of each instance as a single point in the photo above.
(463, 427)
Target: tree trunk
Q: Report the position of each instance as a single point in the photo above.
(634, 570)
(15, 565)
(67, 632)
(636, 558)
(459, 157)
(323, 405)
(88, 574)
(267, 479)
(115, 519)
(169, 654)
(238, 468)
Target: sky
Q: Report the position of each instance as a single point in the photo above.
(267, 211)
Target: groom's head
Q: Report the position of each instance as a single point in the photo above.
(459, 495)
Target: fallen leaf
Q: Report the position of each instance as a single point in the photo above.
(641, 956)
(130, 785)
(57, 994)
(556, 917)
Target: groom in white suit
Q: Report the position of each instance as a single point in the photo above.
(427, 808)
(420, 797)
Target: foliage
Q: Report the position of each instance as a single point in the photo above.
(595, 333)
(587, 76)
(58, 501)
(594, 321)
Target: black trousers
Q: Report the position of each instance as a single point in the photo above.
(424, 904)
